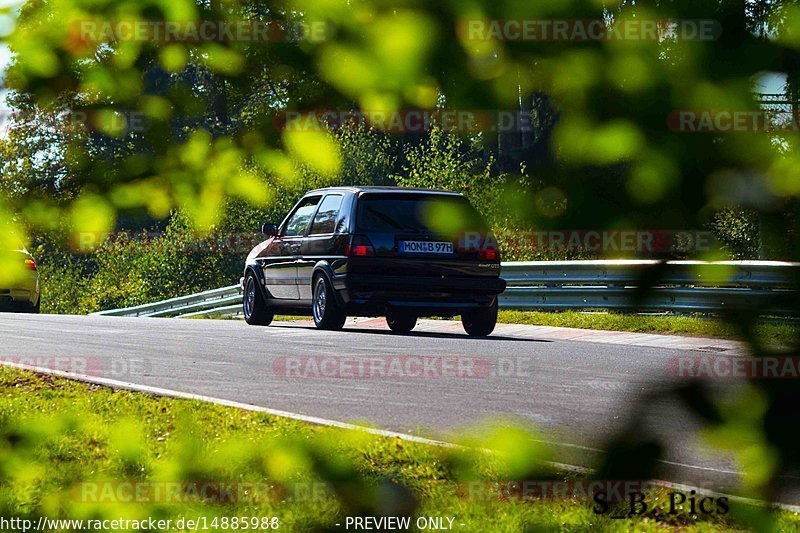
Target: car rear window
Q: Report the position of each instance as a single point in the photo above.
(417, 213)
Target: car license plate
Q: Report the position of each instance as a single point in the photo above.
(425, 247)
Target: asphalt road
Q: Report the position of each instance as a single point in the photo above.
(437, 383)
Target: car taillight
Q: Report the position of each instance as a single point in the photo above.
(30, 263)
(359, 246)
(489, 251)
(488, 255)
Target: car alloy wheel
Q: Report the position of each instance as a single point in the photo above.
(320, 299)
(256, 311)
(327, 313)
(250, 296)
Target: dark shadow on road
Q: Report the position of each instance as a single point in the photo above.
(421, 334)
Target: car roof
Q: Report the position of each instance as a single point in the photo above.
(382, 189)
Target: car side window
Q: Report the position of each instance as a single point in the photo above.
(298, 222)
(325, 219)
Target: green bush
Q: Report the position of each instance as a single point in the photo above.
(738, 232)
(132, 268)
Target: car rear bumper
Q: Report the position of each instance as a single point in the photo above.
(374, 294)
(17, 299)
(24, 294)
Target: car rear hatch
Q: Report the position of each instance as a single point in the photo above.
(425, 235)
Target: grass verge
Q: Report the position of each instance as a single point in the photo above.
(773, 333)
(70, 450)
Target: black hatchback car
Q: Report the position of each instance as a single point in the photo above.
(376, 251)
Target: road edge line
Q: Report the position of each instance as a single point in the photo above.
(169, 393)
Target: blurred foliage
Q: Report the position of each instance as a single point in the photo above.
(739, 232)
(604, 156)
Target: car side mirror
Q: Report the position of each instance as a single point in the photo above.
(269, 229)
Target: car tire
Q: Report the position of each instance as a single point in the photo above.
(327, 313)
(480, 322)
(401, 322)
(255, 309)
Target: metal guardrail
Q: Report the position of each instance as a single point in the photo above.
(678, 286)
(192, 305)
